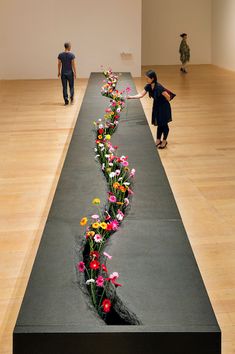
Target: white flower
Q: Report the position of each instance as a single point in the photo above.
(112, 174)
(119, 179)
(95, 149)
(101, 145)
(107, 156)
(111, 164)
(89, 281)
(126, 183)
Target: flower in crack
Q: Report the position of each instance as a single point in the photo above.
(104, 268)
(94, 265)
(94, 255)
(117, 172)
(98, 238)
(96, 225)
(122, 189)
(89, 281)
(83, 221)
(96, 201)
(120, 215)
(125, 163)
(100, 281)
(81, 267)
(106, 305)
(103, 225)
(116, 185)
(107, 255)
(90, 234)
(132, 174)
(113, 277)
(114, 224)
(112, 199)
(95, 216)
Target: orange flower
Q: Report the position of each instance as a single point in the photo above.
(116, 185)
(122, 189)
(103, 225)
(83, 222)
(119, 203)
(100, 137)
(90, 234)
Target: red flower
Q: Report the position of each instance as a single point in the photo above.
(104, 268)
(106, 304)
(94, 265)
(101, 130)
(109, 227)
(94, 254)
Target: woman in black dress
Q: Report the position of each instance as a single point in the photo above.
(161, 113)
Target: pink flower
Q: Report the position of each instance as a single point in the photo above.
(113, 277)
(132, 174)
(112, 199)
(120, 215)
(125, 163)
(95, 216)
(100, 281)
(98, 238)
(126, 201)
(130, 191)
(128, 89)
(107, 255)
(117, 172)
(81, 267)
(114, 224)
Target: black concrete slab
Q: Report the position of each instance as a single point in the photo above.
(161, 281)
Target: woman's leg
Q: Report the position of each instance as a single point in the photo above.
(165, 130)
(159, 135)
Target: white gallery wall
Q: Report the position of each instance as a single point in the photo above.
(163, 21)
(223, 33)
(32, 32)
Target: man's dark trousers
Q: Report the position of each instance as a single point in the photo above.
(68, 78)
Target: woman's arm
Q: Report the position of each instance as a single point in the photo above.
(166, 95)
(139, 95)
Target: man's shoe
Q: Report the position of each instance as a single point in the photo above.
(66, 102)
(71, 100)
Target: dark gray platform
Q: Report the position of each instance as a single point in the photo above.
(161, 281)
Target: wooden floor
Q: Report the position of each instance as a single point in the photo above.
(35, 130)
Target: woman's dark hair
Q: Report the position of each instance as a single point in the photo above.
(152, 75)
(183, 35)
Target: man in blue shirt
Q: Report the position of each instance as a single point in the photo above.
(67, 71)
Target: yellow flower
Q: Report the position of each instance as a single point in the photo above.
(103, 225)
(116, 185)
(108, 137)
(126, 169)
(96, 225)
(83, 222)
(90, 234)
(100, 137)
(119, 203)
(108, 169)
(96, 201)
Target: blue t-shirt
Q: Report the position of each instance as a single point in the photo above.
(66, 60)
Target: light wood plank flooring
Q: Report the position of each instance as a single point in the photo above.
(35, 131)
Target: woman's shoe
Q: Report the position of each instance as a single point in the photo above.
(157, 144)
(162, 147)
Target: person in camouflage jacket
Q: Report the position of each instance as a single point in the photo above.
(184, 52)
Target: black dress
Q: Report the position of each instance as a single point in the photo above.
(161, 113)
